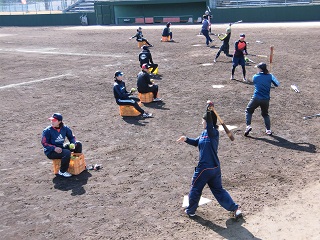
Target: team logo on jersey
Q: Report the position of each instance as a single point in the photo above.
(143, 56)
(59, 139)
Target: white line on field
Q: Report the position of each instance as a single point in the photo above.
(34, 81)
(59, 53)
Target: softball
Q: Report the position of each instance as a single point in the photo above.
(72, 146)
(133, 89)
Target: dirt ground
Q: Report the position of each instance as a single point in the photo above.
(139, 192)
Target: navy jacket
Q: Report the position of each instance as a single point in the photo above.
(52, 138)
(120, 91)
(207, 144)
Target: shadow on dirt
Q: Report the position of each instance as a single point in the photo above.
(157, 105)
(74, 183)
(281, 142)
(241, 81)
(233, 231)
(139, 121)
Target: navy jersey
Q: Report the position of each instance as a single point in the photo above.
(120, 91)
(207, 144)
(52, 138)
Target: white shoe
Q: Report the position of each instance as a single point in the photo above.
(232, 77)
(268, 132)
(245, 80)
(237, 213)
(214, 60)
(248, 130)
(65, 174)
(157, 99)
(147, 115)
(190, 214)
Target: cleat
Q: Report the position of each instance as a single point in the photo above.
(248, 130)
(146, 115)
(237, 214)
(268, 132)
(65, 174)
(157, 100)
(190, 214)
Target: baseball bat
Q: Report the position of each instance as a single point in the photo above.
(271, 57)
(312, 116)
(258, 55)
(226, 129)
(240, 21)
(250, 60)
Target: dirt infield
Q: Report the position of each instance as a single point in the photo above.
(138, 194)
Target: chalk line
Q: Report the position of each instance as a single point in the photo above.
(59, 53)
(34, 81)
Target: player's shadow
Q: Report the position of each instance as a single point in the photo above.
(233, 231)
(139, 120)
(247, 82)
(284, 143)
(74, 184)
(157, 105)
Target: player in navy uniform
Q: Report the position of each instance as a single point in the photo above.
(146, 57)
(144, 83)
(208, 170)
(123, 97)
(53, 138)
(139, 37)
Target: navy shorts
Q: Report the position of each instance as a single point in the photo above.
(238, 61)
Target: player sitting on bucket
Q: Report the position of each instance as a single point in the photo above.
(139, 37)
(144, 83)
(146, 57)
(167, 32)
(123, 97)
(53, 138)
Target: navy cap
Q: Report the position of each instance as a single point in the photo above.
(242, 35)
(56, 116)
(118, 73)
(262, 66)
(145, 47)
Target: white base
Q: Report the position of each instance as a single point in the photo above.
(201, 202)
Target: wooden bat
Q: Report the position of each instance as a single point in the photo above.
(257, 55)
(271, 57)
(312, 116)
(230, 135)
(240, 21)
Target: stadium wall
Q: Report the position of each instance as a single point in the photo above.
(110, 14)
(66, 19)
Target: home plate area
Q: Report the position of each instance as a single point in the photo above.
(201, 202)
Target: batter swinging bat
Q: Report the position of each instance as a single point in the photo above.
(312, 116)
(230, 135)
